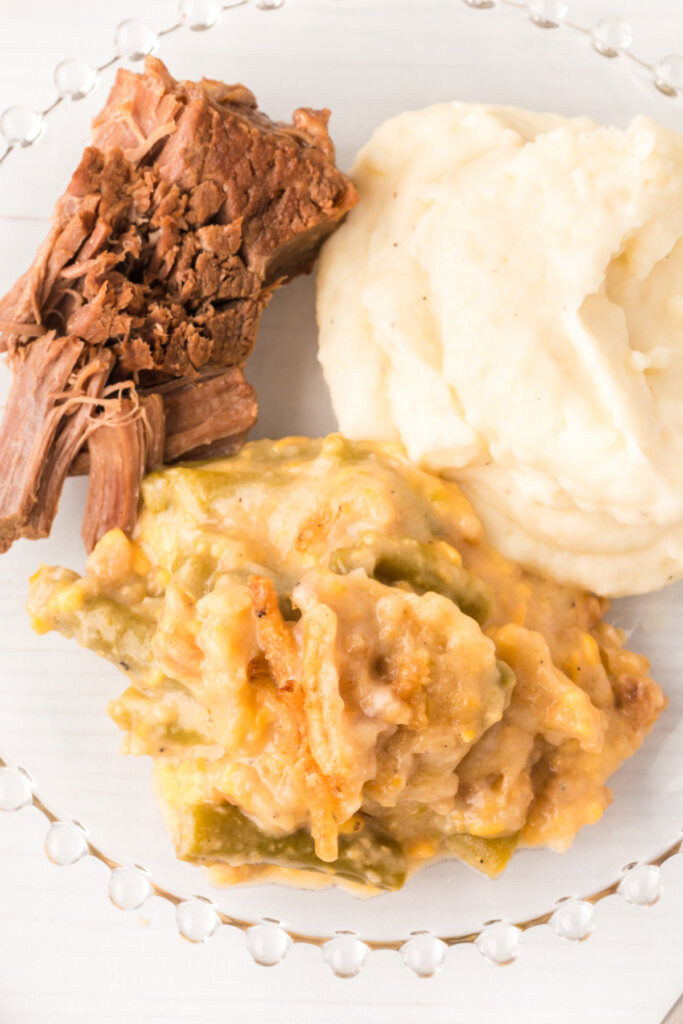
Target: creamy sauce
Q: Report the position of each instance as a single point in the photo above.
(300, 664)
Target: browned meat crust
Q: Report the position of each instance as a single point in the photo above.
(189, 208)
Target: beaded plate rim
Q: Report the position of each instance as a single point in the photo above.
(198, 918)
(21, 126)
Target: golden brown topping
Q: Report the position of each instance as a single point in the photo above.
(637, 700)
(274, 638)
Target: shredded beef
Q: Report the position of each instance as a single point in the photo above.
(197, 415)
(155, 430)
(31, 420)
(76, 424)
(193, 419)
(118, 458)
(187, 211)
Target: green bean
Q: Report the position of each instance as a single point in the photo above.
(193, 574)
(288, 610)
(153, 720)
(507, 676)
(490, 856)
(423, 567)
(221, 832)
(199, 490)
(99, 623)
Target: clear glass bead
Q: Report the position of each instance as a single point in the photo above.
(197, 920)
(16, 790)
(481, 5)
(547, 13)
(574, 920)
(21, 126)
(129, 888)
(199, 14)
(424, 954)
(642, 885)
(65, 843)
(134, 40)
(345, 954)
(668, 74)
(499, 942)
(268, 943)
(269, 5)
(74, 79)
(612, 36)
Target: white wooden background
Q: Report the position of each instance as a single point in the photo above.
(66, 955)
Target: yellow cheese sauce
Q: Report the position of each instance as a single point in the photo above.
(335, 672)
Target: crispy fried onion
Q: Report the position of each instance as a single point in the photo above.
(307, 684)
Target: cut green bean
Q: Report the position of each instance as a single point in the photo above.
(153, 720)
(97, 622)
(423, 567)
(507, 676)
(221, 832)
(490, 856)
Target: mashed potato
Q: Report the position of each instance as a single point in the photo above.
(507, 300)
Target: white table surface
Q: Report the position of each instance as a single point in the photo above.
(66, 955)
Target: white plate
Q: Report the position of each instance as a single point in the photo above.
(366, 61)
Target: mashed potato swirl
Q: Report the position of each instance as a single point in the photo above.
(507, 300)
